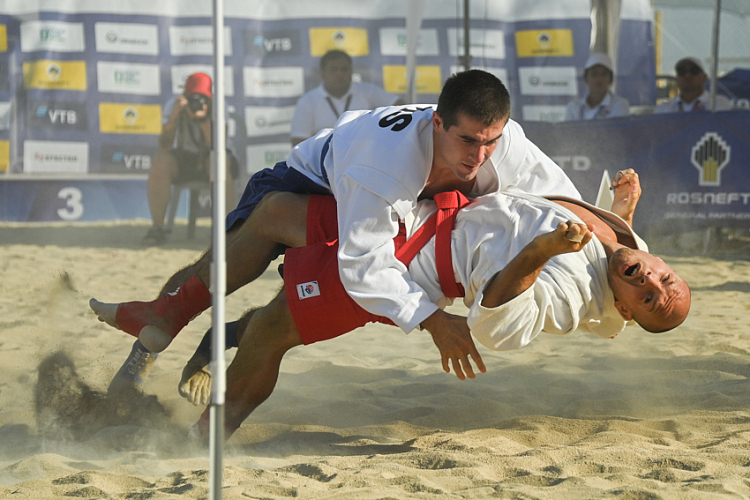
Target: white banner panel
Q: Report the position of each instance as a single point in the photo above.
(57, 36)
(127, 38)
(539, 80)
(58, 157)
(393, 42)
(484, 43)
(128, 78)
(543, 113)
(196, 40)
(267, 120)
(274, 82)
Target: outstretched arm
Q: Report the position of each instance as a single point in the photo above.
(521, 272)
(627, 188)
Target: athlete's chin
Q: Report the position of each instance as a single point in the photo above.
(468, 172)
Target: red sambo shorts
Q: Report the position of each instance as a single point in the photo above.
(320, 306)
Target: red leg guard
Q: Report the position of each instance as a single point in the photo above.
(170, 312)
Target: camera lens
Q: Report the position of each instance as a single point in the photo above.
(196, 102)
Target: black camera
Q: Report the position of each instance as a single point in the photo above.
(197, 101)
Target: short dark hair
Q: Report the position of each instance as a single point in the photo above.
(475, 93)
(331, 55)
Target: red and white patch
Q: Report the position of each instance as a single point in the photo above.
(307, 290)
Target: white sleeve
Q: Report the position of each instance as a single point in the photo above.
(368, 267)
(303, 119)
(542, 307)
(571, 111)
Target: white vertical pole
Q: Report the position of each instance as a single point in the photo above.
(218, 263)
(714, 55)
(467, 38)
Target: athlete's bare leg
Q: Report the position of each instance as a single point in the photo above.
(280, 219)
(252, 375)
(195, 384)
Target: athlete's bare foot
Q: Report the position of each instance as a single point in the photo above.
(195, 385)
(157, 322)
(152, 337)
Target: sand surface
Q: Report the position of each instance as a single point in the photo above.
(370, 415)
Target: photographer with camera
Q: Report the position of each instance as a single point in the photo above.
(184, 151)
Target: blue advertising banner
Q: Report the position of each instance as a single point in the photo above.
(81, 81)
(693, 166)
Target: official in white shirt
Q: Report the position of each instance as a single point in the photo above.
(322, 106)
(599, 102)
(691, 80)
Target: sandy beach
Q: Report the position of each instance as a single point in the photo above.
(370, 415)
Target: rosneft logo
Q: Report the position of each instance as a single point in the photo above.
(710, 155)
(130, 114)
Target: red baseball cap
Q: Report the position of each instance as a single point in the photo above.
(198, 83)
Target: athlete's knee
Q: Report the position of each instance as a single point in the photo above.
(272, 326)
(282, 217)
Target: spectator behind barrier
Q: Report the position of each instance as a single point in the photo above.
(321, 107)
(599, 102)
(691, 81)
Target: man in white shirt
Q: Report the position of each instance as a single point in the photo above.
(525, 264)
(321, 107)
(600, 102)
(377, 164)
(691, 80)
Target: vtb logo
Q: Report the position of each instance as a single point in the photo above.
(710, 155)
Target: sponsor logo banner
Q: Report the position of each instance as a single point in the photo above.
(536, 80)
(429, 80)
(181, 72)
(127, 38)
(3, 38)
(710, 155)
(484, 43)
(272, 43)
(4, 156)
(543, 113)
(55, 36)
(118, 159)
(129, 118)
(196, 40)
(62, 75)
(55, 157)
(353, 41)
(128, 78)
(266, 120)
(57, 115)
(262, 156)
(393, 42)
(274, 82)
(544, 43)
(4, 115)
(307, 290)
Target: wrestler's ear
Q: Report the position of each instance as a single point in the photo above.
(623, 310)
(437, 121)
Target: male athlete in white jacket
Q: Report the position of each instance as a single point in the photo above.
(377, 164)
(516, 258)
